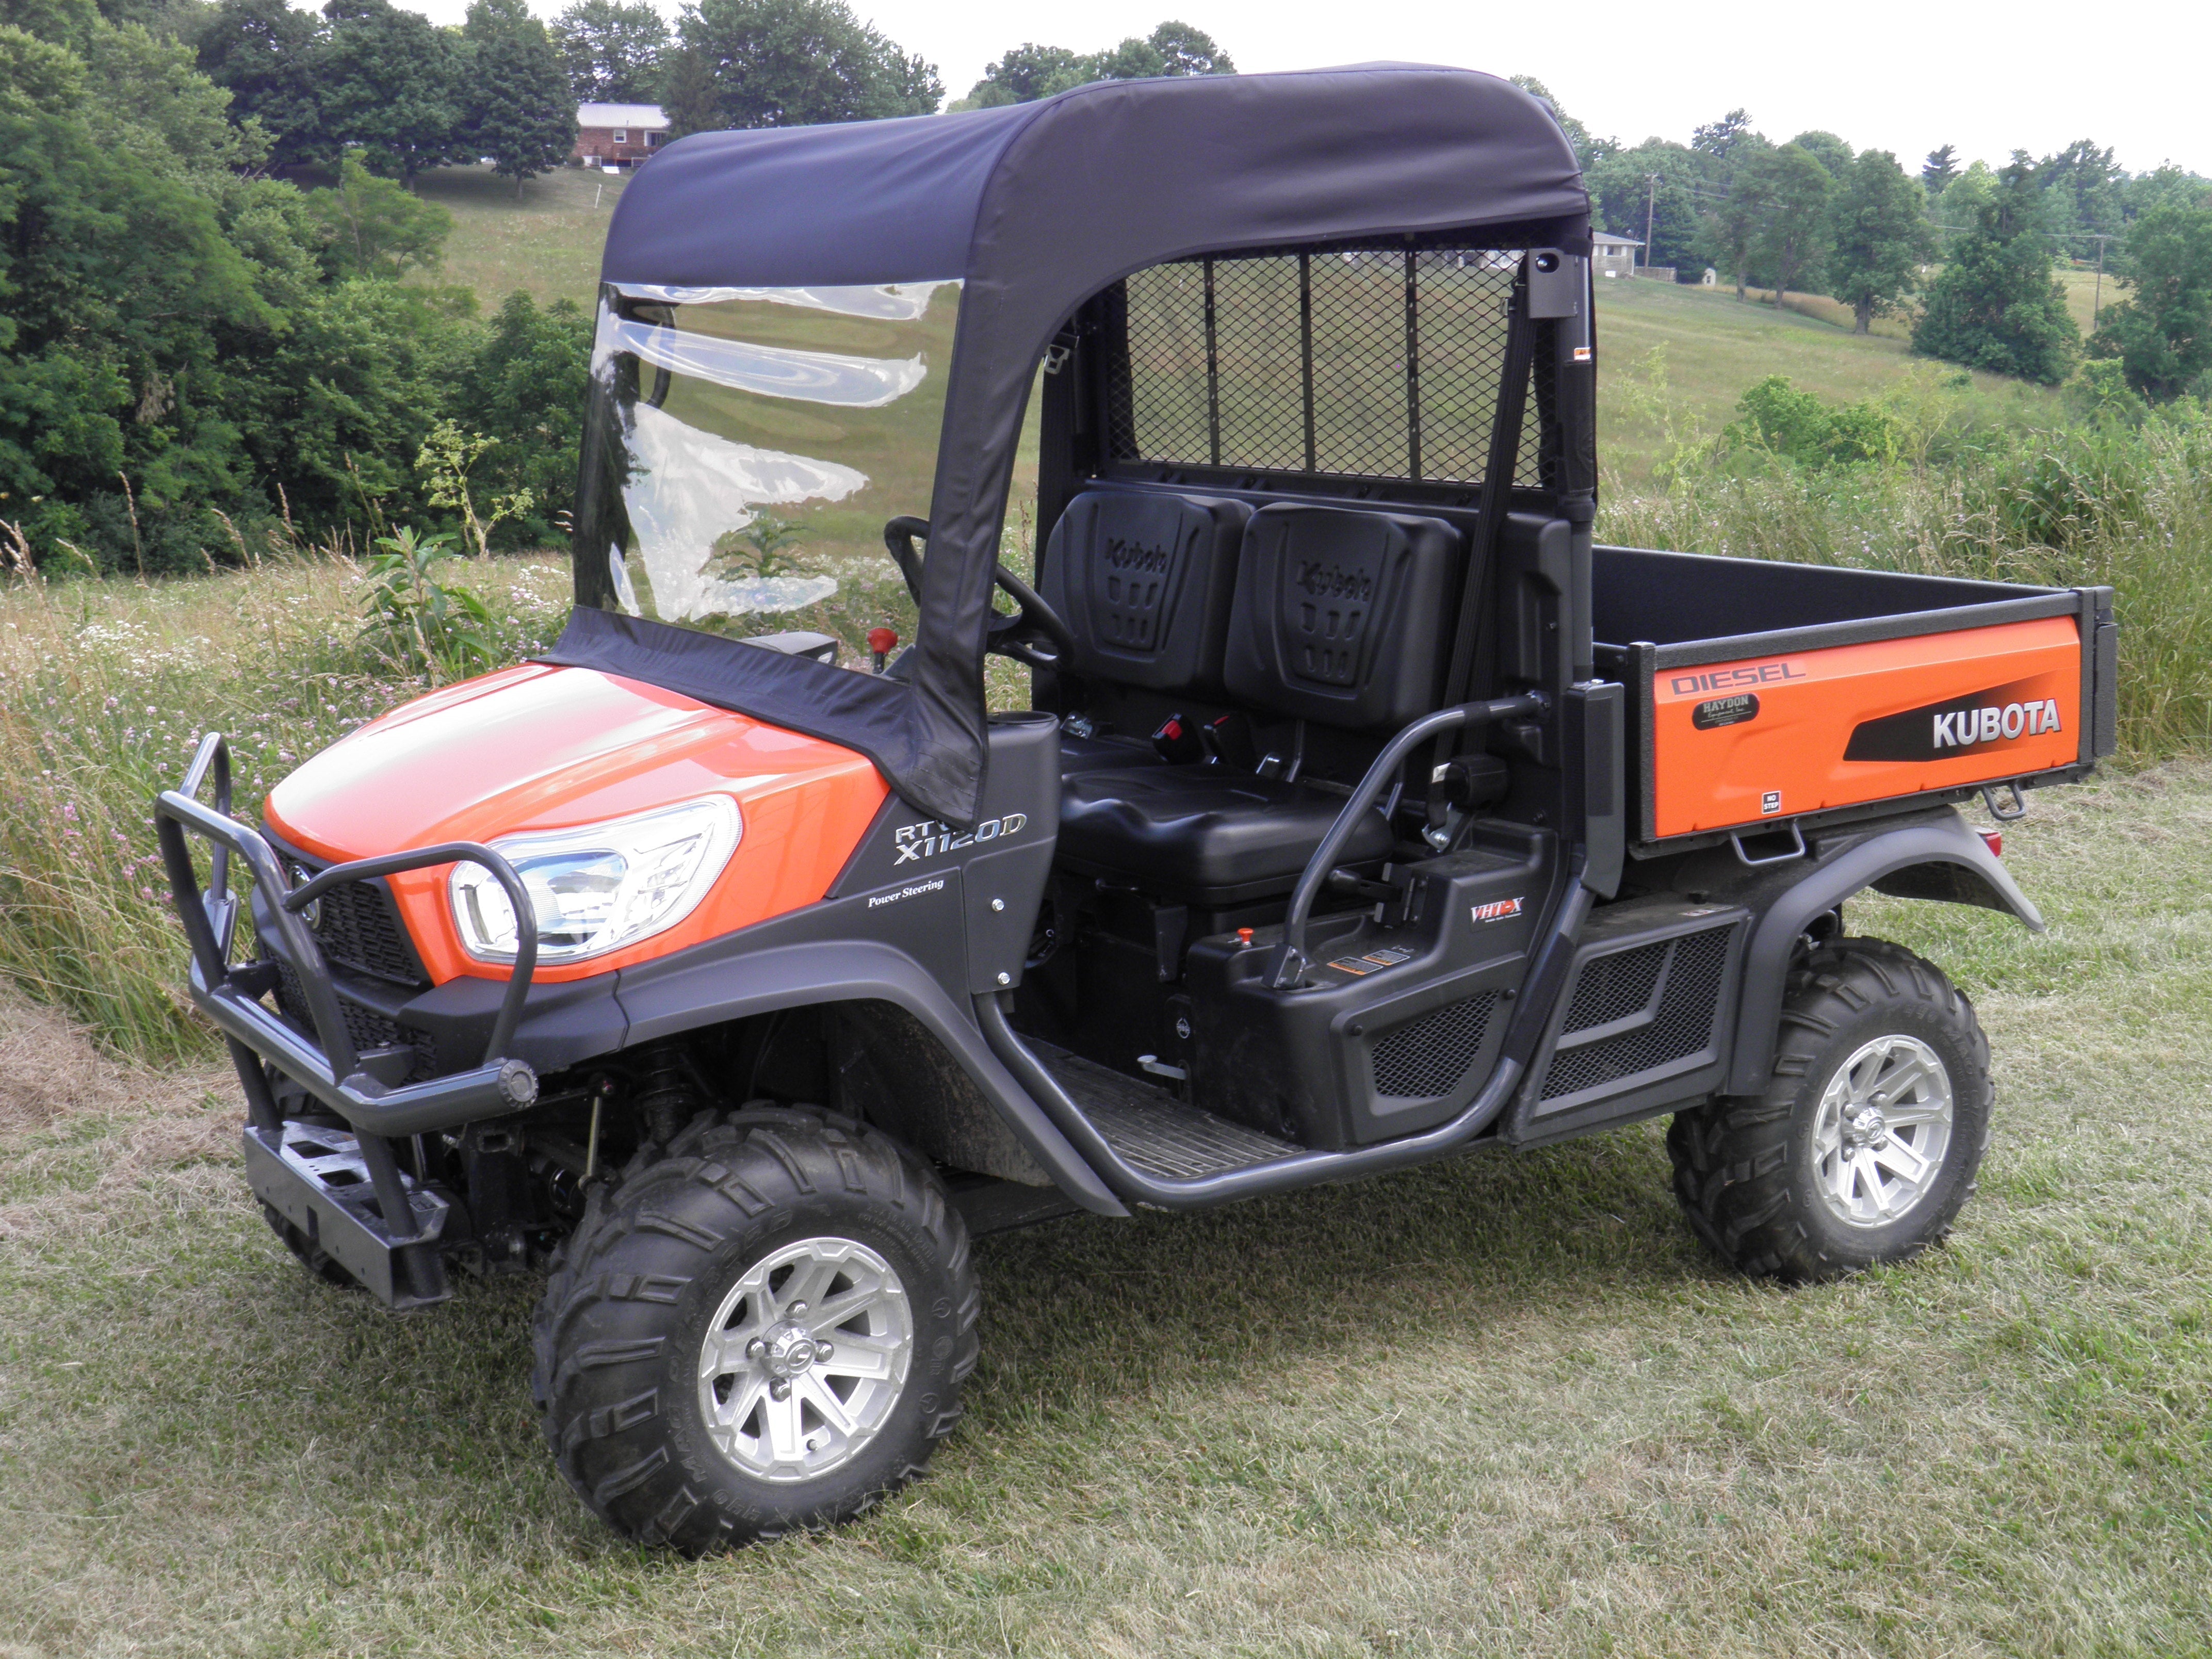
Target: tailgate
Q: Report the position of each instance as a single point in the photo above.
(1747, 734)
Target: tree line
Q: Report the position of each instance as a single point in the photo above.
(197, 358)
(220, 321)
(786, 62)
(223, 321)
(369, 77)
(1968, 253)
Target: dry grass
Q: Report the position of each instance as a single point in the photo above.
(1501, 1406)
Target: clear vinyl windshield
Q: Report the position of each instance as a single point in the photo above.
(748, 444)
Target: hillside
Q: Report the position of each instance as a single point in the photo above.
(548, 244)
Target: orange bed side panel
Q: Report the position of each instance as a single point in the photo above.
(1734, 743)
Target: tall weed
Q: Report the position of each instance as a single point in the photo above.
(104, 687)
(2107, 503)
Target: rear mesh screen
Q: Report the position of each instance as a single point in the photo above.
(1381, 363)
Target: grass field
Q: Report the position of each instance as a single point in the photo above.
(1505, 1405)
(547, 244)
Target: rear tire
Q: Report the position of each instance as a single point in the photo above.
(763, 1331)
(1868, 1137)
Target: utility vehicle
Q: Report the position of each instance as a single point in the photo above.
(1364, 813)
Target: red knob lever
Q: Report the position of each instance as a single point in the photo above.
(882, 642)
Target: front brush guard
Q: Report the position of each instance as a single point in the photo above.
(328, 1066)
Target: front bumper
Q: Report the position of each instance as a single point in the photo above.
(323, 1184)
(366, 1088)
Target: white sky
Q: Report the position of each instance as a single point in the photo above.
(1987, 76)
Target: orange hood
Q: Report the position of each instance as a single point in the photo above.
(541, 748)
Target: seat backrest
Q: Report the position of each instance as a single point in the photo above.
(1144, 582)
(1339, 615)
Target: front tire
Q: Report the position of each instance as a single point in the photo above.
(763, 1331)
(1868, 1137)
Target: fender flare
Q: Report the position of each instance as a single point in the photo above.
(796, 975)
(1942, 859)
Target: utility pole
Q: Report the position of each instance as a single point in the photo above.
(2097, 298)
(1650, 199)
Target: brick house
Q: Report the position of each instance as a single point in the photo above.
(618, 134)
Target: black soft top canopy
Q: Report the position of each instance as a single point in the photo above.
(1036, 207)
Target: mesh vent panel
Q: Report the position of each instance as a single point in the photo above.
(1614, 988)
(1429, 1056)
(365, 1027)
(1361, 363)
(1684, 1023)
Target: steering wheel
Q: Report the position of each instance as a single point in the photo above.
(1034, 625)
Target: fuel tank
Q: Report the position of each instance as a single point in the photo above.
(538, 748)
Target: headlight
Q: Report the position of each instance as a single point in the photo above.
(602, 886)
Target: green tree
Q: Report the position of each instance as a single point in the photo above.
(121, 301)
(1725, 142)
(2080, 187)
(1792, 239)
(524, 386)
(1730, 233)
(1031, 71)
(2167, 185)
(1021, 76)
(790, 62)
(1995, 305)
(1622, 188)
(611, 49)
(1940, 167)
(267, 56)
(1881, 238)
(1587, 150)
(1830, 151)
(2161, 333)
(388, 81)
(1189, 50)
(374, 228)
(519, 111)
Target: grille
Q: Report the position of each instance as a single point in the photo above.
(1682, 1025)
(1429, 1056)
(365, 1027)
(360, 930)
(1363, 363)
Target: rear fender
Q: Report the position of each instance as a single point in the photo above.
(1941, 858)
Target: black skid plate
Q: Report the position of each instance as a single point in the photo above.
(315, 1178)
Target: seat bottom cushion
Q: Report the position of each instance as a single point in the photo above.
(1105, 753)
(1204, 834)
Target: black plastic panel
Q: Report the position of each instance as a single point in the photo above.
(1336, 615)
(1144, 582)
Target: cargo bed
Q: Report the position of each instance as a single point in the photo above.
(1763, 695)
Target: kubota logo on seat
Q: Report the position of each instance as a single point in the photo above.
(917, 841)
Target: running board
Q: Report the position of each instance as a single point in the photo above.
(1153, 1131)
(317, 1180)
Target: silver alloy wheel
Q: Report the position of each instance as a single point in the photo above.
(1883, 1125)
(805, 1359)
